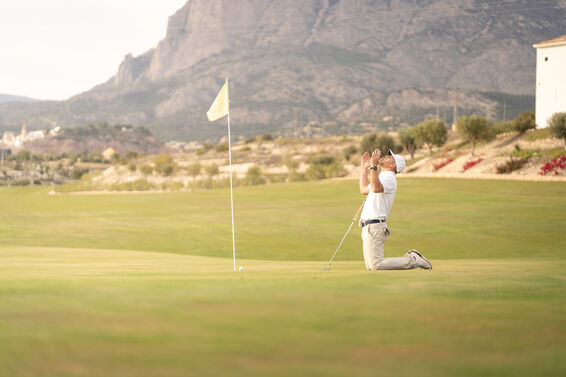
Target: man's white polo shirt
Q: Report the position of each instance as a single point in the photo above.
(378, 205)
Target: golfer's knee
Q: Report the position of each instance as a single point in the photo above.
(376, 265)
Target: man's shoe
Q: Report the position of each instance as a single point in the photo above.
(422, 262)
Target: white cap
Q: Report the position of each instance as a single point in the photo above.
(399, 161)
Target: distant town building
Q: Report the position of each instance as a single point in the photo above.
(17, 140)
(551, 79)
(108, 153)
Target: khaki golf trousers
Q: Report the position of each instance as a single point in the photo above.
(374, 237)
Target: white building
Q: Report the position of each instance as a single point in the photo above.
(551, 79)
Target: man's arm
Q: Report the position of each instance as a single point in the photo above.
(364, 184)
(376, 185)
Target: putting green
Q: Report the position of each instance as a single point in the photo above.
(77, 312)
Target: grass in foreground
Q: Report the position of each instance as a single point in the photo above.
(72, 312)
(75, 302)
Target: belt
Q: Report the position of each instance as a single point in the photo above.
(364, 223)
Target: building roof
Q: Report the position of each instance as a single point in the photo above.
(551, 42)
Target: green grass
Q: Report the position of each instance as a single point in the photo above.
(449, 219)
(132, 285)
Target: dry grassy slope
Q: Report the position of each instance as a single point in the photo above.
(492, 153)
(273, 157)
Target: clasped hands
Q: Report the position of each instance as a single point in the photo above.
(375, 157)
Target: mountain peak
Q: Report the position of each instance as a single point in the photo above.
(299, 61)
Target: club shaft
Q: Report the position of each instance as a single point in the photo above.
(348, 231)
(343, 238)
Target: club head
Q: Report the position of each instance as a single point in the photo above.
(326, 268)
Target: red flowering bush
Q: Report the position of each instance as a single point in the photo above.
(553, 166)
(469, 164)
(442, 164)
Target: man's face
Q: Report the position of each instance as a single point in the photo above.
(388, 162)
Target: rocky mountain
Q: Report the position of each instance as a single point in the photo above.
(332, 64)
(11, 98)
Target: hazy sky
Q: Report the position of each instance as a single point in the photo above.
(54, 49)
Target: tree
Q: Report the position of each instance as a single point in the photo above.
(212, 169)
(253, 176)
(557, 126)
(431, 133)
(409, 141)
(382, 141)
(194, 169)
(474, 128)
(524, 122)
(164, 164)
(349, 151)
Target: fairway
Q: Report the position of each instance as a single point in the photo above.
(142, 285)
(443, 218)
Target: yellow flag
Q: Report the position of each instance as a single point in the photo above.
(221, 105)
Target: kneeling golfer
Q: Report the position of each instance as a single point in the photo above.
(380, 191)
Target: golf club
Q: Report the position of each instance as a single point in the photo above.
(343, 238)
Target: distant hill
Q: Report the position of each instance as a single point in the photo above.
(10, 98)
(328, 66)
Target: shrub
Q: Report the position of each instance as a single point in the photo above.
(315, 172)
(38, 157)
(23, 156)
(132, 166)
(553, 166)
(471, 164)
(524, 154)
(557, 126)
(205, 148)
(176, 186)
(442, 164)
(116, 159)
(321, 159)
(21, 182)
(77, 173)
(96, 157)
(194, 169)
(202, 184)
(524, 122)
(138, 185)
(297, 177)
(382, 141)
(277, 178)
(166, 169)
(290, 163)
(211, 169)
(146, 169)
(510, 165)
(266, 137)
(141, 185)
(349, 151)
(253, 176)
(221, 147)
(334, 170)
(164, 164)
(503, 127)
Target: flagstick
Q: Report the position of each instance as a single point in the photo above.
(231, 194)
